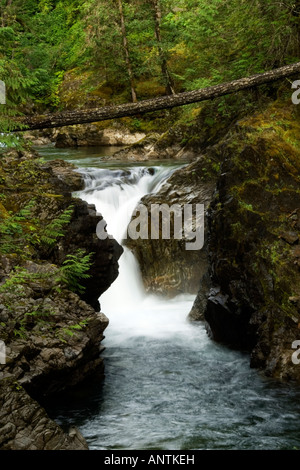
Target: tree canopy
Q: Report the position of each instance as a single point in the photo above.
(188, 44)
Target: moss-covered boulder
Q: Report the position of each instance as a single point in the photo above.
(167, 266)
(253, 226)
(53, 269)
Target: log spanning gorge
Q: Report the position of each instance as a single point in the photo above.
(164, 102)
(167, 385)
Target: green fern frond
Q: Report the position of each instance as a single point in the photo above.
(74, 268)
(55, 228)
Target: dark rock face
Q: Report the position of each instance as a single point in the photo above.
(253, 225)
(226, 322)
(52, 335)
(52, 338)
(167, 267)
(81, 231)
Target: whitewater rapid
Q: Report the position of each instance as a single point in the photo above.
(116, 193)
(167, 385)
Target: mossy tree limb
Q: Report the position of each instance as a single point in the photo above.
(67, 118)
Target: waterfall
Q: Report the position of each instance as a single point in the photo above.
(115, 194)
(167, 385)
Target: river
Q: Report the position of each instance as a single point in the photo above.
(167, 386)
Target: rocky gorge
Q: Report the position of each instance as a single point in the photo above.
(51, 327)
(245, 279)
(247, 274)
(254, 271)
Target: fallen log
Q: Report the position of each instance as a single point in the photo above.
(67, 118)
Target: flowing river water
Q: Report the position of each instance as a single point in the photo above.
(167, 386)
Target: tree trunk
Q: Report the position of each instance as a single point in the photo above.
(67, 118)
(296, 14)
(162, 57)
(126, 51)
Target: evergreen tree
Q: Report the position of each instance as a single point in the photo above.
(132, 45)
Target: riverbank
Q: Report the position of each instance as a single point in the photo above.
(49, 310)
(166, 381)
(247, 274)
(248, 271)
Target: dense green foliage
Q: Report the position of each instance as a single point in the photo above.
(20, 231)
(75, 268)
(43, 42)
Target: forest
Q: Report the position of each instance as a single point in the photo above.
(201, 347)
(122, 51)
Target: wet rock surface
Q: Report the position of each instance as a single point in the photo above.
(167, 267)
(24, 425)
(51, 333)
(247, 274)
(253, 239)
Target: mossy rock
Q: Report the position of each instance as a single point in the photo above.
(254, 230)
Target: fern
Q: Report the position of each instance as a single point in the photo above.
(74, 268)
(19, 278)
(54, 229)
(20, 230)
(14, 230)
(14, 284)
(71, 330)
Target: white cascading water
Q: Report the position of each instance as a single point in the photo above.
(115, 194)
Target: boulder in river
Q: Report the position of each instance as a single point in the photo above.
(167, 267)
